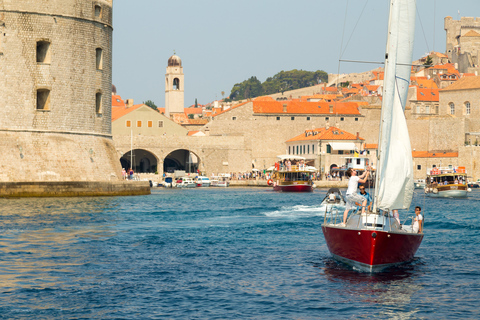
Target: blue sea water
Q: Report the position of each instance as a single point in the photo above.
(214, 253)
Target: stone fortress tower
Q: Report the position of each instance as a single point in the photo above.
(463, 43)
(55, 91)
(174, 86)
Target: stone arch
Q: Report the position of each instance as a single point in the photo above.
(333, 166)
(181, 159)
(176, 84)
(143, 161)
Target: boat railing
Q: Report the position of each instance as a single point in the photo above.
(292, 168)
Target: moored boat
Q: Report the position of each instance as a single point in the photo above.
(202, 181)
(185, 182)
(223, 180)
(373, 241)
(447, 183)
(288, 177)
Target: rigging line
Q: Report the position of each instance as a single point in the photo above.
(351, 35)
(398, 64)
(338, 67)
(421, 24)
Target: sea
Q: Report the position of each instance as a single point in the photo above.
(223, 253)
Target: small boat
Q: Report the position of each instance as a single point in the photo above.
(419, 184)
(289, 177)
(185, 182)
(374, 240)
(168, 183)
(202, 181)
(223, 180)
(447, 183)
(333, 201)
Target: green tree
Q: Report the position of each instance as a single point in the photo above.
(428, 62)
(196, 104)
(151, 104)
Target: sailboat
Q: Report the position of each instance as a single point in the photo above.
(375, 240)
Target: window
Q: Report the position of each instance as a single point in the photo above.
(418, 108)
(419, 167)
(139, 124)
(358, 161)
(288, 149)
(308, 149)
(452, 108)
(356, 119)
(99, 58)
(467, 108)
(292, 118)
(98, 11)
(329, 148)
(297, 149)
(176, 84)
(234, 118)
(313, 148)
(98, 102)
(327, 118)
(427, 109)
(342, 119)
(150, 123)
(303, 149)
(308, 118)
(43, 52)
(128, 123)
(43, 99)
(278, 118)
(160, 123)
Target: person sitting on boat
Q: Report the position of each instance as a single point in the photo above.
(352, 196)
(418, 221)
(445, 182)
(367, 196)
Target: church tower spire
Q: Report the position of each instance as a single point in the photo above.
(174, 86)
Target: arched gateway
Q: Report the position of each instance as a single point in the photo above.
(143, 161)
(181, 160)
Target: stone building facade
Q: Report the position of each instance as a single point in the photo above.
(463, 43)
(55, 89)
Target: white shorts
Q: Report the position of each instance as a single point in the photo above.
(352, 198)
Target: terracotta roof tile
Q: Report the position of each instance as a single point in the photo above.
(117, 101)
(426, 154)
(332, 133)
(305, 107)
(370, 146)
(465, 83)
(118, 112)
(427, 94)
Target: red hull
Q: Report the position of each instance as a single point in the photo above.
(293, 188)
(360, 248)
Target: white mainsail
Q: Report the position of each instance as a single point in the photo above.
(394, 185)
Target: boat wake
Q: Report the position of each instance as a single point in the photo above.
(297, 211)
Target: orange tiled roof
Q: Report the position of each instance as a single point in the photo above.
(182, 118)
(427, 94)
(467, 74)
(372, 87)
(236, 106)
(117, 101)
(426, 83)
(332, 133)
(192, 110)
(191, 133)
(378, 75)
(465, 83)
(305, 107)
(426, 154)
(118, 112)
(371, 146)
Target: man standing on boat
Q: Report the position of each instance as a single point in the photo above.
(352, 195)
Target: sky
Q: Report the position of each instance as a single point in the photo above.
(224, 42)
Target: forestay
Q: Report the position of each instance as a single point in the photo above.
(395, 165)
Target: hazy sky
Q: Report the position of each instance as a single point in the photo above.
(223, 42)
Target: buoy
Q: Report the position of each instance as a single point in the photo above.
(469, 190)
(435, 190)
(270, 182)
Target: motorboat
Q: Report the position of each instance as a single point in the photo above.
(288, 177)
(420, 184)
(447, 183)
(223, 180)
(185, 182)
(202, 181)
(333, 200)
(374, 240)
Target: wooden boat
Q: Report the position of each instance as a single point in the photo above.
(292, 178)
(447, 183)
(374, 240)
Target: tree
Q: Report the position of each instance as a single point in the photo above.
(191, 116)
(428, 62)
(196, 104)
(151, 104)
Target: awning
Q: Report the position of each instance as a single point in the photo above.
(342, 145)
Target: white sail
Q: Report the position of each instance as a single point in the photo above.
(395, 166)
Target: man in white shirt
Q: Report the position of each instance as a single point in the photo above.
(352, 195)
(418, 222)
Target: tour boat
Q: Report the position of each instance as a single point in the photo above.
(292, 177)
(223, 180)
(447, 183)
(375, 240)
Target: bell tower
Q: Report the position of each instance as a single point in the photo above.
(174, 86)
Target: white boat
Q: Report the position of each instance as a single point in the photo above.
(447, 183)
(202, 181)
(419, 184)
(185, 182)
(374, 240)
(333, 202)
(222, 180)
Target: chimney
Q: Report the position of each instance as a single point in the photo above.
(358, 135)
(129, 103)
(285, 107)
(331, 108)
